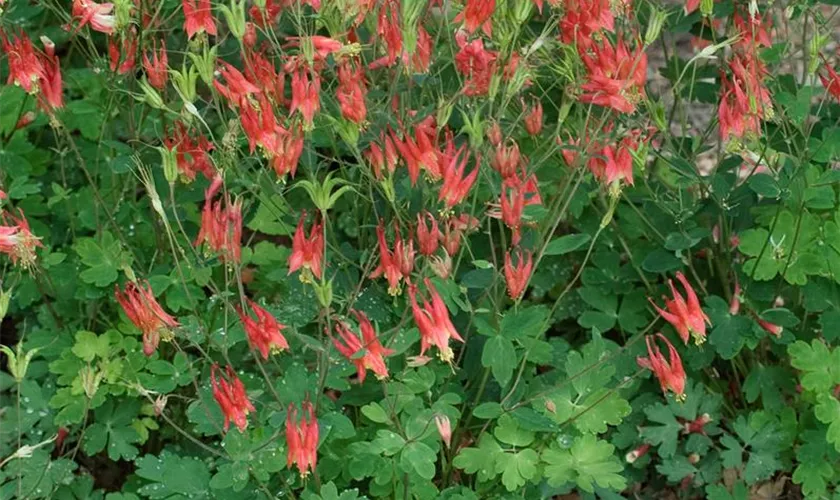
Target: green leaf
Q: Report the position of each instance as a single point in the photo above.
(567, 243)
(420, 458)
(589, 462)
(500, 356)
(375, 412)
(103, 259)
(88, 345)
(525, 322)
(664, 436)
(517, 468)
(480, 460)
(820, 367)
(764, 185)
(827, 411)
(509, 432)
(171, 474)
(676, 468)
(487, 411)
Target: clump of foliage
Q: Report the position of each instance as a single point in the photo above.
(332, 249)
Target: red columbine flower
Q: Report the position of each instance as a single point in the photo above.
(517, 276)
(266, 16)
(534, 119)
(366, 353)
(192, 155)
(494, 134)
(221, 224)
(616, 76)
(143, 310)
(157, 67)
(17, 241)
(123, 57)
(34, 71)
(476, 63)
(753, 31)
(507, 159)
(198, 17)
(351, 92)
(99, 15)
(264, 333)
(306, 95)
(832, 81)
(50, 97)
(260, 70)
(433, 321)
(456, 186)
(428, 239)
(279, 145)
(698, 425)
(451, 237)
(477, 13)
(388, 29)
(394, 265)
(229, 393)
(383, 156)
(238, 87)
(307, 253)
(687, 318)
(614, 163)
(302, 438)
(322, 46)
(637, 453)
(421, 58)
(669, 372)
(582, 18)
(772, 329)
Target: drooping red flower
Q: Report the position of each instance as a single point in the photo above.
(753, 30)
(17, 240)
(123, 57)
(51, 96)
(302, 438)
(280, 145)
(614, 162)
(26, 66)
(266, 16)
(582, 18)
(831, 82)
(198, 17)
(193, 155)
(264, 333)
(456, 185)
(477, 14)
(307, 253)
(366, 353)
(433, 321)
(306, 91)
(221, 224)
(145, 312)
(616, 76)
(384, 156)
(229, 393)
(236, 86)
(771, 328)
(745, 99)
(389, 30)
(534, 119)
(428, 238)
(261, 72)
(669, 371)
(100, 16)
(394, 265)
(688, 317)
(351, 91)
(517, 275)
(475, 63)
(157, 67)
(507, 159)
(421, 152)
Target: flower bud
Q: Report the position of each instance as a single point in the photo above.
(444, 428)
(654, 28)
(235, 18)
(637, 453)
